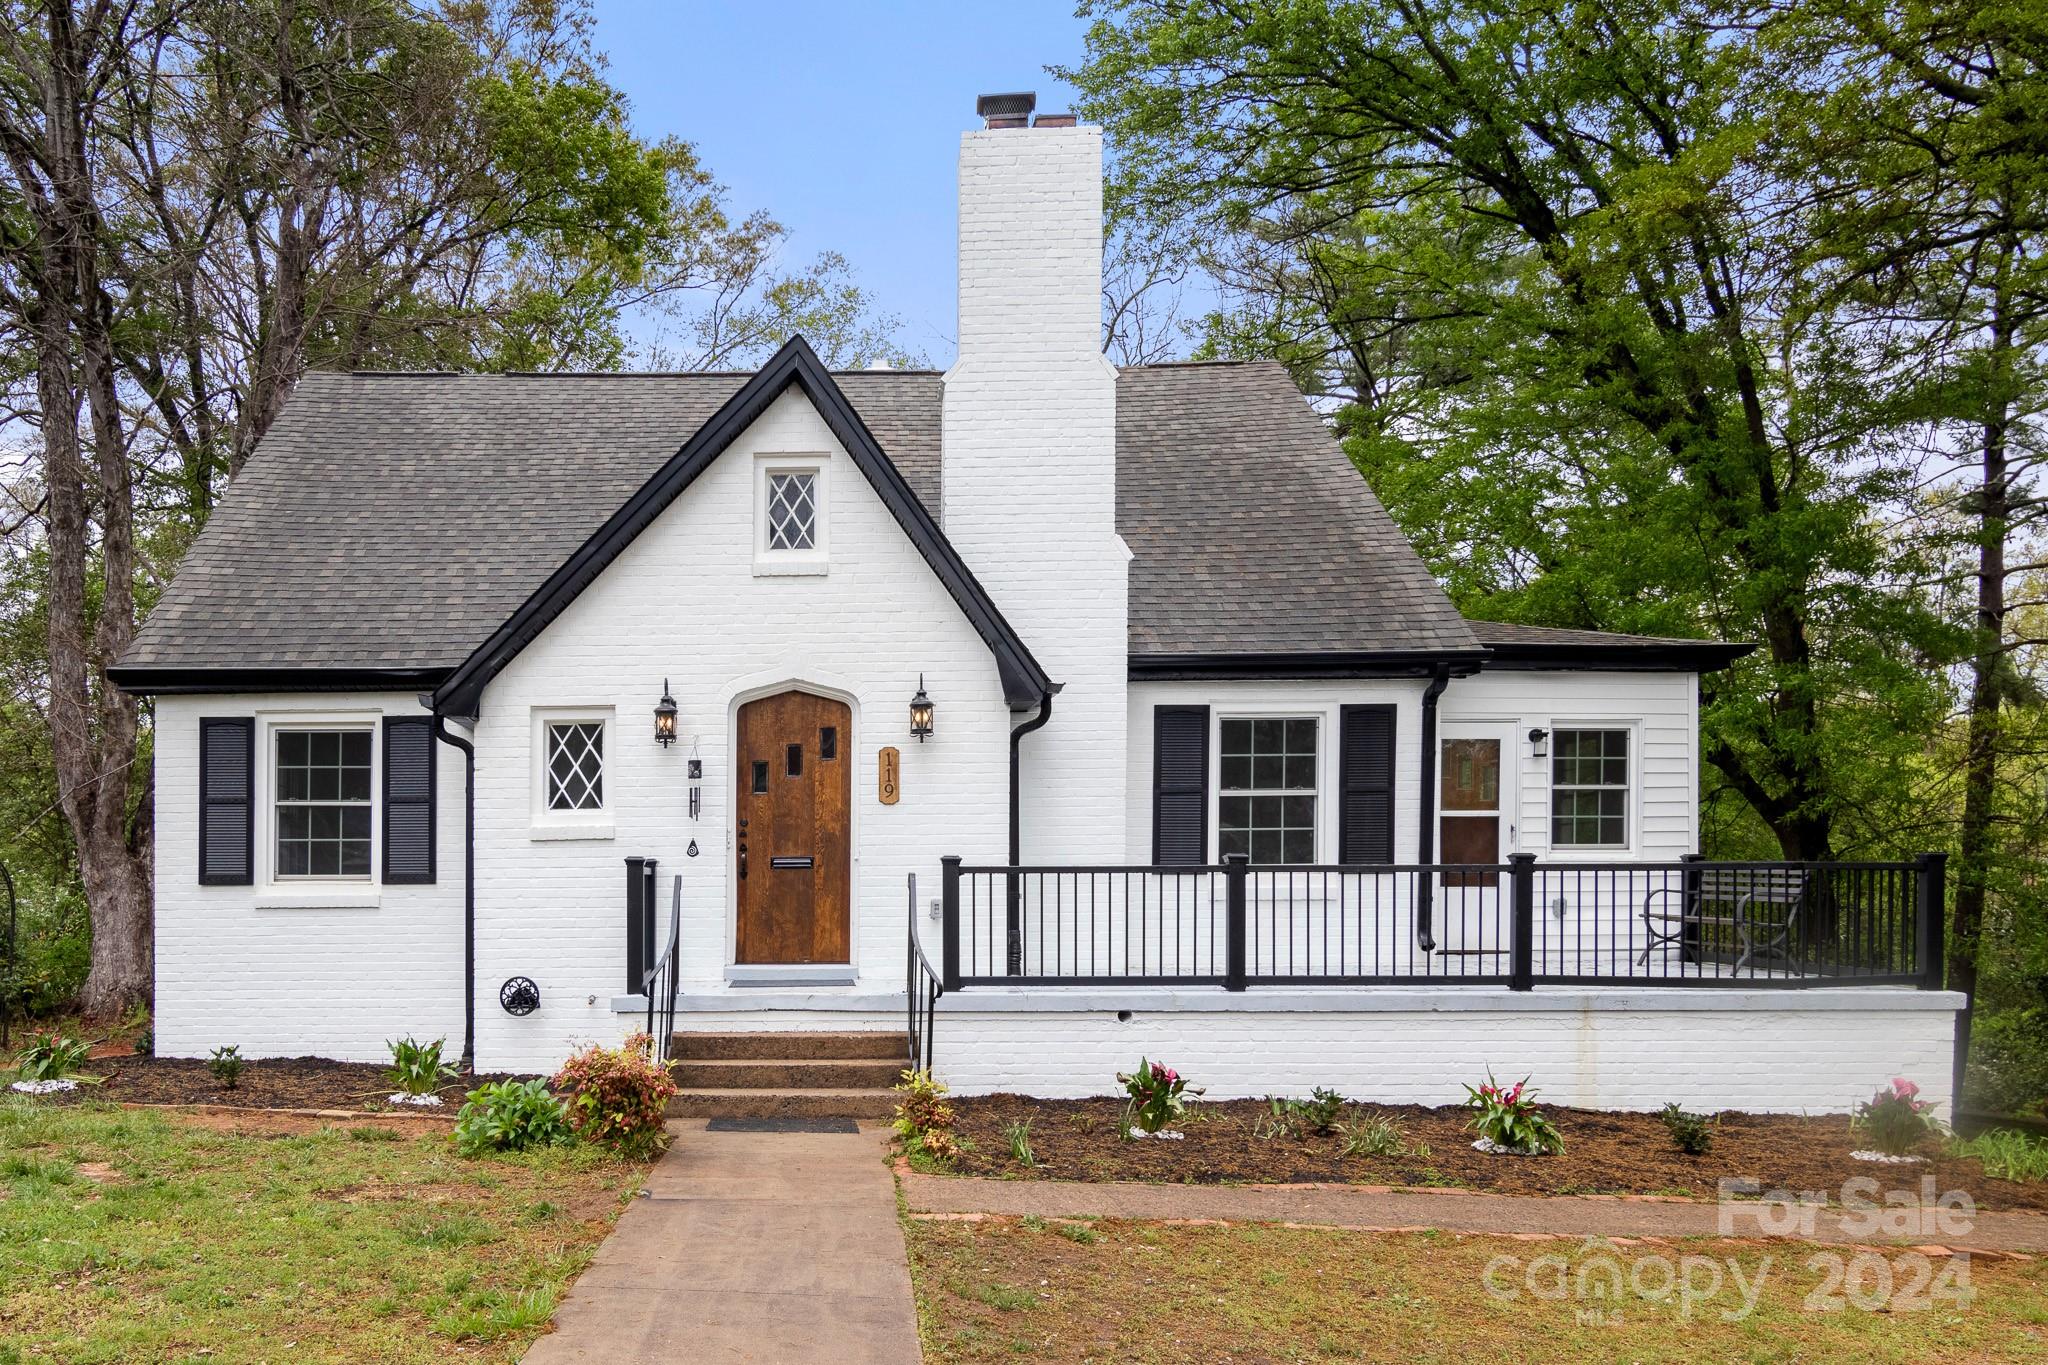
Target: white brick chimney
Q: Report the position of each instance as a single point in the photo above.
(1029, 479)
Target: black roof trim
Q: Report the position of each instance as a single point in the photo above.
(1024, 682)
(1332, 664)
(1705, 656)
(145, 681)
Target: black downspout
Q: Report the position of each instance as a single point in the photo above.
(442, 733)
(1425, 841)
(1013, 911)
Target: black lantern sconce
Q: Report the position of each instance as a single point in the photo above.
(1539, 743)
(921, 712)
(665, 717)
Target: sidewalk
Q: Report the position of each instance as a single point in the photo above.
(760, 1247)
(1381, 1209)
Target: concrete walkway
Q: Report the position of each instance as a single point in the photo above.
(1381, 1209)
(759, 1247)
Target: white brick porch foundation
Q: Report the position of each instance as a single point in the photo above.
(1818, 1051)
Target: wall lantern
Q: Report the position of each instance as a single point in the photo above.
(1539, 743)
(920, 712)
(665, 717)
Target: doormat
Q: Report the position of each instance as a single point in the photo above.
(838, 1125)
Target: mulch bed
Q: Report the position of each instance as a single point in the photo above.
(1605, 1153)
(266, 1083)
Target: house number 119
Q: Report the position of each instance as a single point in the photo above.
(888, 776)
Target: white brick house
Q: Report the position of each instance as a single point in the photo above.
(1160, 622)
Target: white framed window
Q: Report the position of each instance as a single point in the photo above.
(572, 773)
(790, 514)
(1590, 788)
(321, 780)
(1267, 773)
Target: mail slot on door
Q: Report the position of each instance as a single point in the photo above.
(781, 864)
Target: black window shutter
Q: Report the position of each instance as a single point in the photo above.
(1180, 785)
(408, 800)
(227, 810)
(1365, 799)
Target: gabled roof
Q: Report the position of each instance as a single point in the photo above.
(1024, 682)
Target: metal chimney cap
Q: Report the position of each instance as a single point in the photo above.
(1018, 104)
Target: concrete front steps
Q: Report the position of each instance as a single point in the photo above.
(786, 1075)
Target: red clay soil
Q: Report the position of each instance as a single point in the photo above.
(268, 1083)
(1232, 1142)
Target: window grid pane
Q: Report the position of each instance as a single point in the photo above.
(792, 512)
(323, 803)
(1267, 808)
(576, 766)
(1589, 788)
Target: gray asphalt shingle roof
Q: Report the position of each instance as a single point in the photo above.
(395, 521)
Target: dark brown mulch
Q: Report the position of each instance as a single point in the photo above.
(265, 1083)
(1605, 1153)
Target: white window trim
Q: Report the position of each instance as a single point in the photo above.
(1632, 806)
(1325, 717)
(781, 563)
(571, 824)
(314, 893)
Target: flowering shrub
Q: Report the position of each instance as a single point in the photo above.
(1509, 1119)
(924, 1120)
(1896, 1119)
(1158, 1095)
(511, 1116)
(618, 1096)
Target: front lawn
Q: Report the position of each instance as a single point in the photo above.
(1032, 1289)
(129, 1235)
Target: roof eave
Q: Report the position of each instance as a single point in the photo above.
(1303, 664)
(1704, 656)
(159, 681)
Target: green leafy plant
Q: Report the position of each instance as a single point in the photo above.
(1896, 1119)
(226, 1065)
(2007, 1154)
(52, 1056)
(416, 1067)
(511, 1116)
(1018, 1135)
(1509, 1120)
(1376, 1136)
(1316, 1115)
(145, 1043)
(1693, 1133)
(618, 1096)
(924, 1120)
(1157, 1095)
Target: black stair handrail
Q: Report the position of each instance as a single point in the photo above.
(660, 985)
(922, 989)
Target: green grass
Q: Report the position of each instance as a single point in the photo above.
(182, 1243)
(2008, 1155)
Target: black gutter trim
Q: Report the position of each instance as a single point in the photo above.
(1024, 682)
(1425, 840)
(1013, 914)
(1662, 657)
(144, 680)
(1309, 664)
(442, 733)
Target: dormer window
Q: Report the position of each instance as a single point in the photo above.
(790, 514)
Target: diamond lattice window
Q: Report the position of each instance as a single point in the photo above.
(792, 512)
(576, 765)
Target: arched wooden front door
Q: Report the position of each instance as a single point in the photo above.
(793, 846)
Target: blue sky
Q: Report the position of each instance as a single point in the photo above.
(841, 120)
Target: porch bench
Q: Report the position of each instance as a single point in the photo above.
(1730, 898)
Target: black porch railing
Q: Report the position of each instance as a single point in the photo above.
(1513, 924)
(922, 989)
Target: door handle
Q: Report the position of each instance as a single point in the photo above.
(743, 860)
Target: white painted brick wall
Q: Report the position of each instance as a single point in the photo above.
(1029, 484)
(1639, 1050)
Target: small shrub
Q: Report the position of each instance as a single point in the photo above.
(417, 1068)
(618, 1096)
(511, 1116)
(51, 1056)
(1376, 1136)
(1896, 1119)
(1157, 1095)
(1693, 1133)
(1316, 1115)
(1510, 1120)
(2008, 1154)
(1018, 1134)
(145, 1043)
(226, 1065)
(925, 1121)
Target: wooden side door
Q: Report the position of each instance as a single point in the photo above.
(792, 846)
